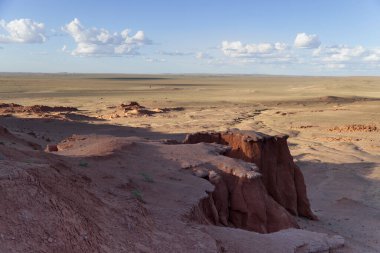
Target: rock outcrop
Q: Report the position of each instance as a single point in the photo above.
(281, 177)
(51, 148)
(34, 109)
(241, 200)
(355, 128)
(134, 109)
(96, 189)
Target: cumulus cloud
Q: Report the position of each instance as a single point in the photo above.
(22, 31)
(101, 42)
(304, 40)
(372, 56)
(334, 58)
(352, 58)
(280, 46)
(262, 53)
(341, 53)
(238, 49)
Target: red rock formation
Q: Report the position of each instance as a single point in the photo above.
(243, 202)
(16, 108)
(51, 148)
(46, 109)
(355, 128)
(135, 109)
(280, 175)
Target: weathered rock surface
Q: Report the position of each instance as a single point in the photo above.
(355, 128)
(16, 108)
(284, 241)
(134, 109)
(280, 175)
(241, 200)
(135, 195)
(51, 148)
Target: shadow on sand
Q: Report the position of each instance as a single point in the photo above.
(60, 129)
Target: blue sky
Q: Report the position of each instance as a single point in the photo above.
(244, 37)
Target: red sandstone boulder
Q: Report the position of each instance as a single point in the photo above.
(280, 175)
(240, 200)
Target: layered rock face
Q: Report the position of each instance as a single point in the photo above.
(281, 177)
(241, 200)
(16, 108)
(96, 189)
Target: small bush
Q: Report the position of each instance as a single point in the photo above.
(83, 164)
(136, 193)
(147, 178)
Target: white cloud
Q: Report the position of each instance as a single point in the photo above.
(175, 53)
(101, 42)
(350, 58)
(304, 40)
(262, 53)
(281, 46)
(372, 56)
(22, 31)
(334, 58)
(340, 53)
(237, 49)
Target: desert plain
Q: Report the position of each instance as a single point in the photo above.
(117, 158)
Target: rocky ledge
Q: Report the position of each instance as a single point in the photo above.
(266, 197)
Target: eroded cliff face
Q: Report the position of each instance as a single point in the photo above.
(242, 201)
(96, 189)
(280, 186)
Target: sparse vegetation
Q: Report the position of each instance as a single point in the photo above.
(147, 178)
(136, 193)
(83, 164)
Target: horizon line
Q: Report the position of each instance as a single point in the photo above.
(177, 74)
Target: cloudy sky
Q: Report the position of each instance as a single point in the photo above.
(303, 37)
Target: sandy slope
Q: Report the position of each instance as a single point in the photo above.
(333, 123)
(341, 165)
(101, 193)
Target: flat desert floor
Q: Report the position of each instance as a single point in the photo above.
(333, 124)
